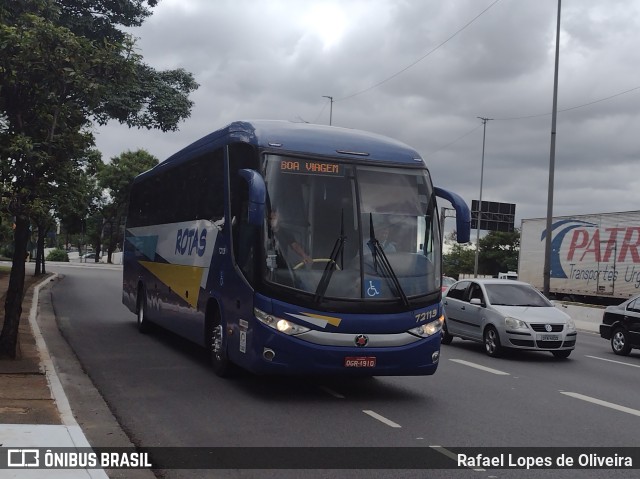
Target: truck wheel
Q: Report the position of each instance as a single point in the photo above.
(492, 342)
(143, 322)
(620, 342)
(446, 337)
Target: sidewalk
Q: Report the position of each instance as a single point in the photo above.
(34, 410)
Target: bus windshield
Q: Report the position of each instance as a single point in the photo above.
(350, 231)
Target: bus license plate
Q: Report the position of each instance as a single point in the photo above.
(360, 362)
(549, 337)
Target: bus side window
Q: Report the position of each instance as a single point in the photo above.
(207, 178)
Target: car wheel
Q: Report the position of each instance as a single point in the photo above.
(446, 337)
(143, 322)
(492, 342)
(564, 354)
(620, 342)
(218, 348)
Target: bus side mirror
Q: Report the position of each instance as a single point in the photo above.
(463, 214)
(257, 196)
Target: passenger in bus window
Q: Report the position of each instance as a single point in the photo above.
(285, 241)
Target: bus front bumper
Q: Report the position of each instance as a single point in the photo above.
(276, 353)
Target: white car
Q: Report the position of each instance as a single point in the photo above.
(504, 313)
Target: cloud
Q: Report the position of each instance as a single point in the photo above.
(426, 73)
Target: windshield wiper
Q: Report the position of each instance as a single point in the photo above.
(338, 247)
(387, 270)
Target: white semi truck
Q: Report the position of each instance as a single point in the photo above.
(592, 256)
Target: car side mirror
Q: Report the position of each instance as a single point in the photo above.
(476, 301)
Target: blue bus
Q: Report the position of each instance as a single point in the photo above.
(291, 248)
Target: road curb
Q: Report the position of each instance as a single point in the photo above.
(57, 391)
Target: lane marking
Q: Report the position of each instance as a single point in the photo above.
(613, 361)
(478, 366)
(380, 418)
(600, 402)
(454, 456)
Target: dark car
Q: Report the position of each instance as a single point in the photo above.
(621, 325)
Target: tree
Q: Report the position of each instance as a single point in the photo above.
(461, 259)
(116, 178)
(499, 252)
(80, 199)
(64, 64)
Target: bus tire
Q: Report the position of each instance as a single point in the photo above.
(217, 346)
(144, 325)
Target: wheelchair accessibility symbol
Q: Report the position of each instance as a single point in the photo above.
(372, 289)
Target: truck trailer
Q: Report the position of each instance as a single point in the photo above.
(594, 257)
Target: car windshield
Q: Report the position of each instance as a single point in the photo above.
(515, 295)
(447, 281)
(346, 231)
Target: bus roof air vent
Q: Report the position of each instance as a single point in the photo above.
(356, 153)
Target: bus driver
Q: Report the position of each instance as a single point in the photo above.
(284, 240)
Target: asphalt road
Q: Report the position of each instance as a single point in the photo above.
(162, 392)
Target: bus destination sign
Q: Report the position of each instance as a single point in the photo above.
(310, 167)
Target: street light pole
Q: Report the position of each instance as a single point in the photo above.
(443, 216)
(479, 213)
(552, 160)
(330, 107)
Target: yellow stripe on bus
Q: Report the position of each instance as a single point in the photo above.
(183, 280)
(329, 319)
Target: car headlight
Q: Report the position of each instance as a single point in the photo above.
(428, 329)
(571, 324)
(283, 325)
(513, 323)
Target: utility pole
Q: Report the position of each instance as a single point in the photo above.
(443, 216)
(552, 160)
(479, 215)
(330, 107)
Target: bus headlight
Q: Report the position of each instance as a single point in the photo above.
(428, 329)
(283, 325)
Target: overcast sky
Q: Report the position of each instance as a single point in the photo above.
(422, 72)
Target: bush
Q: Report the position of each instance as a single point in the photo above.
(58, 255)
(6, 252)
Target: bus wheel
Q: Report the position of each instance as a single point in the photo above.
(143, 321)
(218, 348)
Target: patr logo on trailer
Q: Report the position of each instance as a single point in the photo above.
(589, 243)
